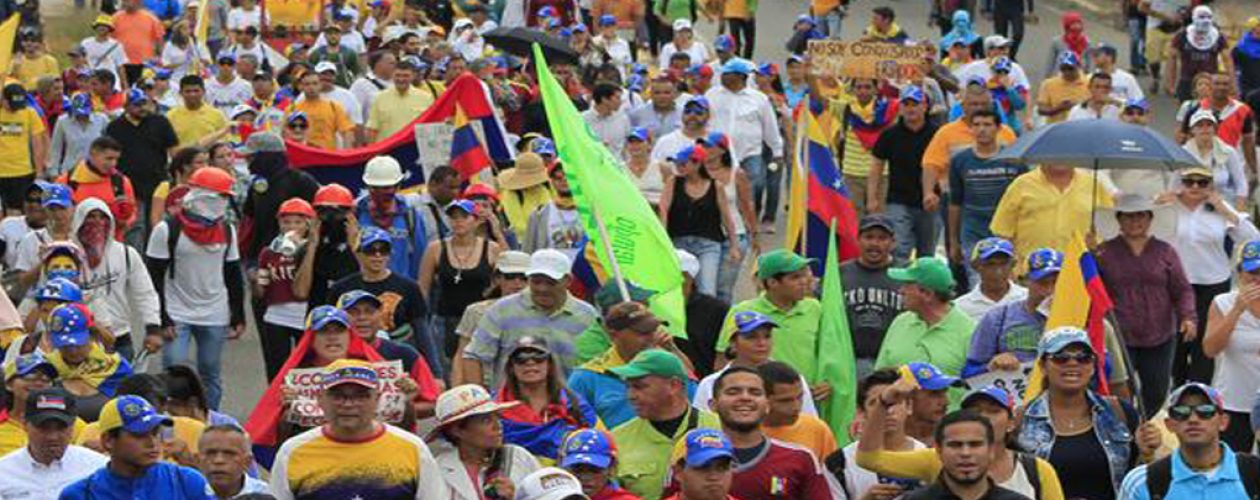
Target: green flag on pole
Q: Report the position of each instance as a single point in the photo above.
(834, 350)
(644, 252)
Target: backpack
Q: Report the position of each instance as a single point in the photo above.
(174, 227)
(1159, 476)
(1029, 461)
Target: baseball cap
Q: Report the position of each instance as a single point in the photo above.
(468, 206)
(548, 262)
(610, 295)
(985, 249)
(747, 322)
(701, 447)
(697, 102)
(780, 261)
(529, 343)
(137, 97)
(717, 139)
(132, 414)
(929, 377)
(57, 195)
(350, 371)
(349, 299)
(738, 66)
(1060, 338)
(1203, 114)
(1249, 256)
(995, 42)
(913, 93)
(928, 272)
(592, 447)
(68, 324)
(81, 105)
(1199, 171)
(701, 70)
(320, 317)
(293, 117)
(993, 393)
(607, 20)
(1069, 58)
(724, 43)
(51, 404)
(1044, 262)
(689, 263)
(688, 153)
(1106, 48)
(226, 58)
(512, 262)
(61, 290)
(656, 362)
(805, 18)
(875, 221)
(1207, 391)
(549, 483)
(325, 66)
(548, 11)
(682, 24)
(26, 364)
(543, 146)
(372, 235)
(631, 316)
(768, 69)
(640, 134)
(241, 109)
(265, 142)
(1138, 103)
(579, 28)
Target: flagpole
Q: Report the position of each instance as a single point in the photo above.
(608, 251)
(801, 130)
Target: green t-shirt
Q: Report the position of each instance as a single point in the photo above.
(794, 339)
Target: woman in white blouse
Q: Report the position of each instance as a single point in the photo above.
(180, 51)
(1225, 162)
(1233, 339)
(1204, 222)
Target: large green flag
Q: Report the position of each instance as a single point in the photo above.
(643, 249)
(834, 349)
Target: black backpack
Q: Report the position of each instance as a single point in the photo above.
(173, 227)
(1159, 476)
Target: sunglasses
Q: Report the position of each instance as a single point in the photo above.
(515, 277)
(1062, 358)
(299, 126)
(1196, 182)
(694, 111)
(1134, 112)
(377, 251)
(1181, 413)
(527, 357)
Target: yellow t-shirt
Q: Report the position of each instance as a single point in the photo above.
(191, 126)
(735, 9)
(186, 429)
(326, 118)
(808, 431)
(1033, 213)
(16, 130)
(29, 70)
(925, 465)
(951, 138)
(13, 435)
(1055, 89)
(392, 112)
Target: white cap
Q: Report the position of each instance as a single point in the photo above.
(995, 41)
(1203, 114)
(241, 109)
(393, 32)
(682, 24)
(512, 262)
(551, 263)
(549, 483)
(382, 171)
(689, 263)
(325, 66)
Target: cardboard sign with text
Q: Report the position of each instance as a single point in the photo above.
(889, 61)
(1015, 382)
(434, 142)
(307, 382)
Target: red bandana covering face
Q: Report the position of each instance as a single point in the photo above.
(381, 207)
(1074, 33)
(93, 234)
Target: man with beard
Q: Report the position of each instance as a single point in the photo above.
(147, 140)
(49, 462)
(965, 445)
(556, 224)
(766, 467)
(695, 126)
(224, 455)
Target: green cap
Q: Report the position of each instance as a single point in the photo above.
(781, 261)
(610, 295)
(657, 362)
(928, 272)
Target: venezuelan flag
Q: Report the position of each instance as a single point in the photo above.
(467, 154)
(826, 199)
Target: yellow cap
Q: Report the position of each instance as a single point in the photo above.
(103, 20)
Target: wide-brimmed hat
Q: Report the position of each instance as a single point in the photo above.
(464, 401)
(530, 171)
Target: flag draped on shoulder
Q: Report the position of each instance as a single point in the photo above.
(824, 199)
(642, 248)
(834, 349)
(466, 94)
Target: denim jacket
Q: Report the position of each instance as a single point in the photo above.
(1036, 433)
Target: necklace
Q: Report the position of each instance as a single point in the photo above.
(460, 261)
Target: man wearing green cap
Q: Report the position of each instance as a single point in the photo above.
(656, 387)
(788, 285)
(931, 329)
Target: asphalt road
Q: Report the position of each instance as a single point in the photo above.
(243, 368)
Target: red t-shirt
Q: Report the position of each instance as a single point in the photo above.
(280, 270)
(783, 470)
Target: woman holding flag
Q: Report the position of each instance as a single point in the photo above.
(548, 409)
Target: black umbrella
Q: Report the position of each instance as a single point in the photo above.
(520, 42)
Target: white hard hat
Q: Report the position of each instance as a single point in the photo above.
(382, 171)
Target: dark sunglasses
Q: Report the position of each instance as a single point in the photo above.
(299, 126)
(515, 277)
(1135, 112)
(530, 356)
(1062, 358)
(377, 251)
(1196, 182)
(1181, 413)
(694, 111)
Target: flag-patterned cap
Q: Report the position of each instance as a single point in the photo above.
(592, 447)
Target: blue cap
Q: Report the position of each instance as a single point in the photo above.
(985, 249)
(564, 32)
(68, 324)
(349, 299)
(350, 371)
(688, 153)
(737, 66)
(930, 377)
(1002, 64)
(548, 11)
(1060, 338)
(322, 316)
(1044, 262)
(297, 115)
(806, 18)
(57, 195)
(796, 58)
(132, 414)
(163, 74)
(137, 96)
(1249, 256)
(81, 105)
(372, 235)
(543, 146)
(724, 43)
(639, 69)
(553, 23)
(1069, 58)
(227, 57)
(587, 447)
(26, 364)
(768, 69)
(1207, 391)
(913, 93)
(607, 20)
(579, 28)
(640, 134)
(717, 139)
(61, 290)
(1137, 102)
(993, 393)
(468, 206)
(747, 322)
(697, 102)
(703, 446)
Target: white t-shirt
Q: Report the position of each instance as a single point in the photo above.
(698, 51)
(975, 303)
(1238, 366)
(12, 229)
(365, 90)
(27, 257)
(226, 96)
(239, 18)
(197, 295)
(670, 144)
(181, 59)
(107, 55)
(1124, 86)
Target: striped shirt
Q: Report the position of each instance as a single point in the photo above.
(516, 316)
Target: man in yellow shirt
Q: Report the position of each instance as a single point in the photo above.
(1046, 207)
(328, 120)
(194, 120)
(22, 139)
(394, 110)
(785, 421)
(1059, 93)
(34, 62)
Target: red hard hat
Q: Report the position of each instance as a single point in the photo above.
(213, 179)
(479, 189)
(296, 206)
(334, 195)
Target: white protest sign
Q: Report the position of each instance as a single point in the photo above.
(1014, 382)
(308, 383)
(434, 143)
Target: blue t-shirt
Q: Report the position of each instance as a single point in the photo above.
(161, 481)
(977, 185)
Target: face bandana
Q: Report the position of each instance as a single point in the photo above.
(94, 234)
(1202, 33)
(202, 217)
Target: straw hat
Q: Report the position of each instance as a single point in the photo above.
(529, 171)
(464, 401)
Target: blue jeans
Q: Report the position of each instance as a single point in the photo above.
(914, 229)
(728, 272)
(1137, 44)
(755, 167)
(210, 340)
(829, 23)
(709, 253)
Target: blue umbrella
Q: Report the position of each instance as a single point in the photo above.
(1099, 144)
